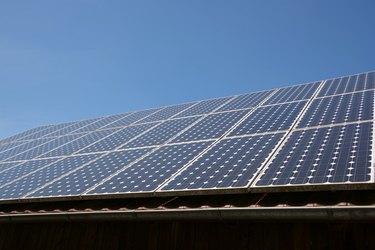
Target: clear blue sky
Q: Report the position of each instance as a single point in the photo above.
(78, 59)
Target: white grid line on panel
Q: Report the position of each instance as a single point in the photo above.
(158, 189)
(62, 176)
(347, 93)
(46, 166)
(147, 154)
(6, 169)
(280, 145)
(20, 138)
(86, 134)
(48, 140)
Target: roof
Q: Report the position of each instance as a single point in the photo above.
(248, 156)
(346, 205)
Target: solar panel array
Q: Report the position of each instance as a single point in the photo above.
(306, 137)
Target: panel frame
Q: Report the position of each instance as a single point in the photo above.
(248, 188)
(321, 186)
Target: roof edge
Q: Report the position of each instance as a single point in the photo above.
(321, 213)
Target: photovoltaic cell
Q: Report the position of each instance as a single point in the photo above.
(294, 93)
(20, 136)
(212, 126)
(86, 177)
(73, 128)
(245, 101)
(100, 123)
(204, 107)
(338, 109)
(7, 165)
(43, 176)
(161, 133)
(130, 119)
(230, 163)
(21, 170)
(270, 118)
(79, 143)
(22, 148)
(348, 84)
(41, 149)
(7, 146)
(117, 139)
(150, 172)
(49, 130)
(166, 149)
(165, 113)
(340, 154)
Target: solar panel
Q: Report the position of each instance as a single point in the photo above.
(42, 133)
(312, 136)
(20, 170)
(340, 154)
(10, 145)
(79, 143)
(41, 149)
(100, 123)
(22, 135)
(89, 175)
(294, 93)
(348, 84)
(339, 109)
(23, 148)
(230, 163)
(212, 126)
(42, 176)
(118, 138)
(73, 128)
(204, 107)
(161, 133)
(245, 101)
(7, 165)
(130, 119)
(153, 170)
(270, 118)
(166, 113)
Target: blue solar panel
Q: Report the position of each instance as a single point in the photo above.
(9, 145)
(43, 176)
(130, 119)
(150, 172)
(79, 143)
(230, 163)
(245, 101)
(294, 93)
(315, 133)
(73, 128)
(100, 123)
(41, 149)
(270, 118)
(340, 154)
(7, 165)
(22, 135)
(118, 138)
(23, 169)
(348, 84)
(86, 177)
(212, 126)
(22, 148)
(204, 107)
(165, 113)
(161, 133)
(49, 130)
(338, 109)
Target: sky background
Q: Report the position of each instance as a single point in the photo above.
(78, 59)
